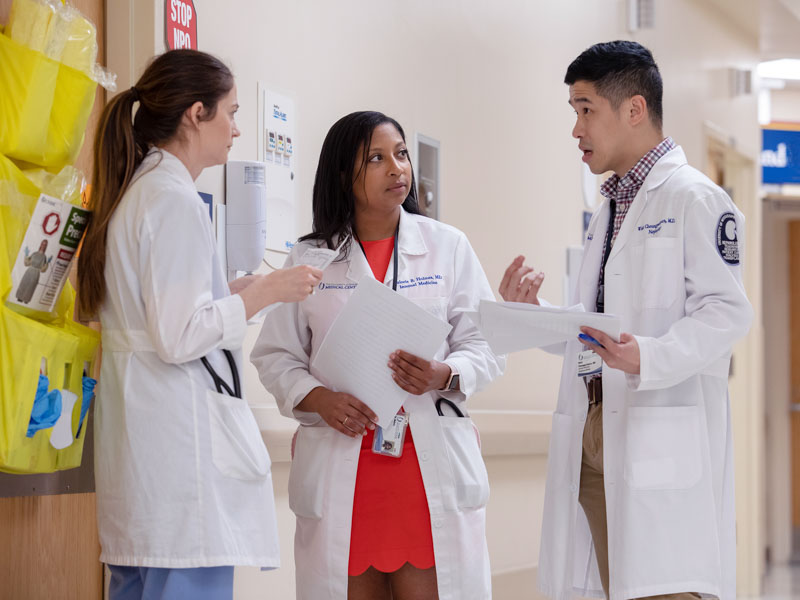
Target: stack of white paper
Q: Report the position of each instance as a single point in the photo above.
(353, 358)
(514, 326)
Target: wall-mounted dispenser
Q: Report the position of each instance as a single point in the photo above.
(245, 214)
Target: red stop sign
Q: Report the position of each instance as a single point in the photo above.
(181, 24)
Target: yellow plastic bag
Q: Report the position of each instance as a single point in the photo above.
(66, 348)
(59, 31)
(44, 107)
(29, 22)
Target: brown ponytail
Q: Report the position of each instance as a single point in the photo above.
(170, 85)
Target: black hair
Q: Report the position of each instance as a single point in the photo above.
(620, 70)
(333, 203)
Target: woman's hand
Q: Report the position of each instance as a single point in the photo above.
(237, 285)
(417, 375)
(293, 284)
(284, 285)
(345, 413)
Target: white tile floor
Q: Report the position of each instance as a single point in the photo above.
(782, 582)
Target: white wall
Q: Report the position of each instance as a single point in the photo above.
(785, 105)
(484, 78)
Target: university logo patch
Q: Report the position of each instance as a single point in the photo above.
(727, 239)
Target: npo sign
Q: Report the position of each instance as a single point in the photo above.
(181, 24)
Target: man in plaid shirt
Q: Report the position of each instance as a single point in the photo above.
(643, 446)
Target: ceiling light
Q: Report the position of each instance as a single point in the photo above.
(784, 68)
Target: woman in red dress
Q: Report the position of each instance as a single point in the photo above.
(416, 526)
(390, 539)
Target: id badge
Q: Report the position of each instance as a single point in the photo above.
(589, 363)
(389, 441)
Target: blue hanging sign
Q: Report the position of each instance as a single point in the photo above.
(780, 155)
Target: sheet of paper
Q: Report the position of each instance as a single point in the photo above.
(512, 326)
(375, 322)
(320, 258)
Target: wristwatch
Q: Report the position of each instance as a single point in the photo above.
(452, 382)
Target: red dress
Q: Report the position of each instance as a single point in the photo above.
(391, 520)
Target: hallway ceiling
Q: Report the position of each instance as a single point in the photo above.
(775, 24)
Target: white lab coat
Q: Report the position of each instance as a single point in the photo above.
(183, 478)
(668, 458)
(439, 271)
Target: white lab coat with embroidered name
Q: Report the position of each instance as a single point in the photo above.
(183, 477)
(439, 271)
(668, 458)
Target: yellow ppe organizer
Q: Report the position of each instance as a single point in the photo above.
(66, 347)
(44, 107)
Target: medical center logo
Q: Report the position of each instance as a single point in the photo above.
(727, 239)
(336, 286)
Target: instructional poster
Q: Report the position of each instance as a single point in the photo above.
(43, 260)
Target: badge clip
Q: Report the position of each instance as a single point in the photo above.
(389, 441)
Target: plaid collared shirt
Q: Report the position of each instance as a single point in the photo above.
(621, 191)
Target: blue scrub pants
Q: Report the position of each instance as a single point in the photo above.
(149, 583)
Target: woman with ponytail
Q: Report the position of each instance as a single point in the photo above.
(184, 490)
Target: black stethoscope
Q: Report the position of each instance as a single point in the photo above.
(219, 382)
(396, 238)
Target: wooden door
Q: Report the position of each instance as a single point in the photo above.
(794, 324)
(49, 543)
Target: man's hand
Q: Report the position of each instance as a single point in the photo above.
(521, 283)
(622, 355)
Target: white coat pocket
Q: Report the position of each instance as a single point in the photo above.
(657, 265)
(463, 452)
(237, 449)
(663, 447)
(308, 474)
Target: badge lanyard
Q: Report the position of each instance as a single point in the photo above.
(389, 441)
(219, 382)
(601, 286)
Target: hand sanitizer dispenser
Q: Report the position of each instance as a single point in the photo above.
(245, 213)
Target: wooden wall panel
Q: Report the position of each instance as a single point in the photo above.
(50, 548)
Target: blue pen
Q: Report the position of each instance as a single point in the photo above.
(590, 339)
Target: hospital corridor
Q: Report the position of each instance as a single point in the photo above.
(399, 300)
